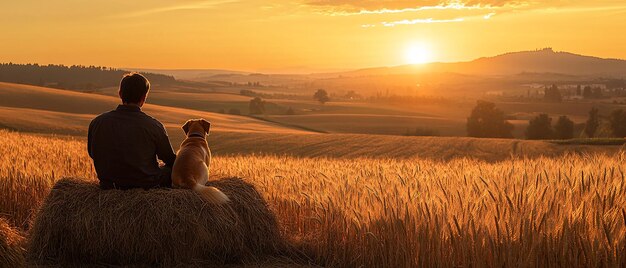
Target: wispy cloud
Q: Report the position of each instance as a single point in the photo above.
(404, 10)
(187, 6)
(350, 7)
(419, 21)
(488, 16)
(581, 9)
(429, 21)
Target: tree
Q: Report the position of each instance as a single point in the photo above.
(553, 94)
(593, 122)
(539, 128)
(487, 121)
(564, 128)
(290, 111)
(352, 95)
(618, 123)
(587, 93)
(321, 96)
(257, 106)
(597, 93)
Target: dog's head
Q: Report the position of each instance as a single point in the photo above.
(197, 126)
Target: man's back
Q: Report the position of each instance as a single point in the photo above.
(124, 145)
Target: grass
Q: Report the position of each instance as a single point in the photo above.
(390, 213)
(592, 141)
(385, 146)
(11, 246)
(371, 123)
(29, 167)
(268, 119)
(568, 210)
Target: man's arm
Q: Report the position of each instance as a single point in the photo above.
(164, 148)
(89, 136)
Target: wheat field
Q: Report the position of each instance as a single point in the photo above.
(364, 212)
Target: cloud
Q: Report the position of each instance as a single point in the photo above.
(454, 11)
(419, 21)
(429, 21)
(355, 7)
(187, 6)
(488, 16)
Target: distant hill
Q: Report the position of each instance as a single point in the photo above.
(191, 74)
(538, 61)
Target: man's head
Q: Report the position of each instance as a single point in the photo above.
(134, 89)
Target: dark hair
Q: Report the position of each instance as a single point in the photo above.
(133, 87)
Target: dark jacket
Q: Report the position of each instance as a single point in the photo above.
(124, 145)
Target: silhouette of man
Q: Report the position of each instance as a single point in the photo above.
(125, 143)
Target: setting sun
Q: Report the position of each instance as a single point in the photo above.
(418, 54)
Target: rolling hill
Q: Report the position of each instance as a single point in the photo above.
(545, 61)
(40, 109)
(51, 111)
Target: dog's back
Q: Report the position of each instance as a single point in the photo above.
(191, 170)
(190, 166)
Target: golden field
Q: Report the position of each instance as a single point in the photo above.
(567, 210)
(47, 110)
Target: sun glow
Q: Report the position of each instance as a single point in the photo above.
(418, 54)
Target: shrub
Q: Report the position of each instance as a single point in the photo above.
(487, 121)
(564, 128)
(257, 106)
(618, 123)
(593, 122)
(322, 96)
(539, 128)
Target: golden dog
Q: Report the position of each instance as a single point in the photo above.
(191, 168)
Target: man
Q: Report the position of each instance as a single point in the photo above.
(125, 143)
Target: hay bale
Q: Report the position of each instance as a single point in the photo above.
(11, 246)
(79, 223)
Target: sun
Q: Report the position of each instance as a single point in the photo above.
(418, 54)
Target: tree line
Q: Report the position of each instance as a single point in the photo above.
(487, 121)
(75, 77)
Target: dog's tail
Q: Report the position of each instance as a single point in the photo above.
(211, 194)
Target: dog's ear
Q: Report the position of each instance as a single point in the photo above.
(186, 126)
(206, 125)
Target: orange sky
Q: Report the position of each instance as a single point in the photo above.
(300, 35)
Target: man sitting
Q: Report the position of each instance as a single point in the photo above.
(125, 143)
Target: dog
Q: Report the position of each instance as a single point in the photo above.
(191, 167)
